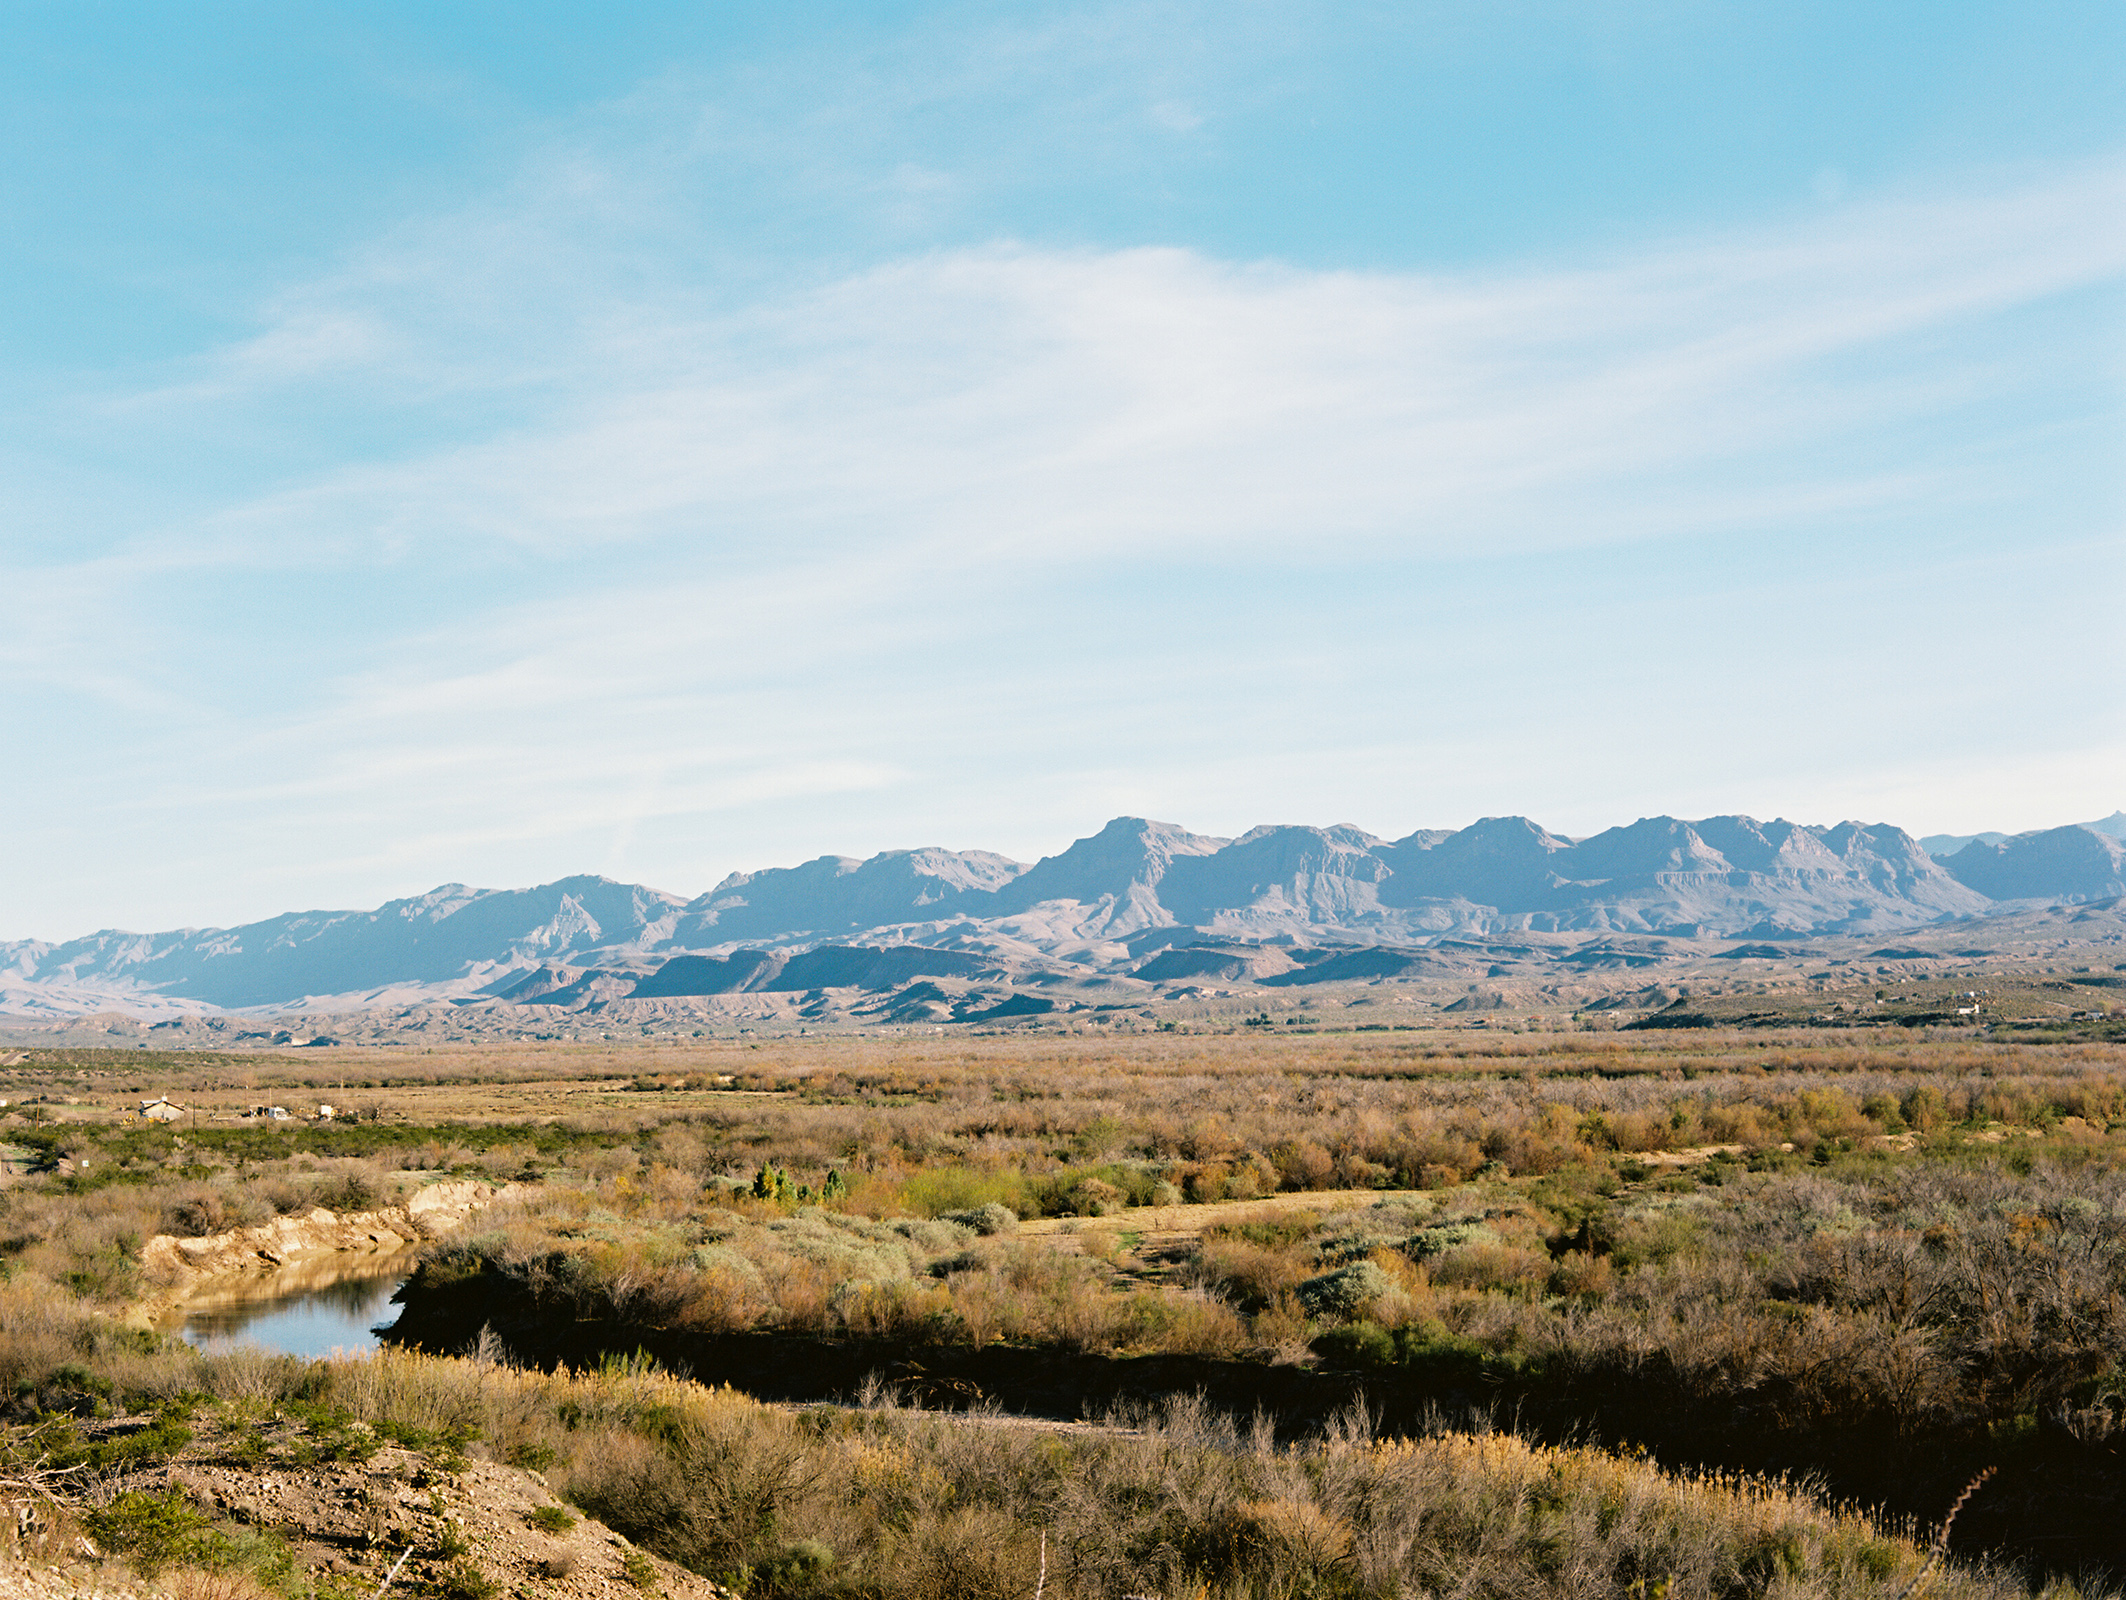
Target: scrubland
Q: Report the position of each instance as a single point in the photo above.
(1872, 1266)
(875, 1501)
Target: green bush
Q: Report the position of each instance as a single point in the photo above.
(156, 1530)
(987, 1220)
(461, 1580)
(111, 1272)
(533, 1455)
(1357, 1344)
(1424, 1348)
(1443, 1237)
(796, 1570)
(158, 1441)
(78, 1391)
(1346, 1291)
(940, 1190)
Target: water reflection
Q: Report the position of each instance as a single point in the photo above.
(308, 1310)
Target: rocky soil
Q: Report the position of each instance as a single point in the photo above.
(346, 1507)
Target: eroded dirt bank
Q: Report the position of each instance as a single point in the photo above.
(348, 1509)
(327, 1242)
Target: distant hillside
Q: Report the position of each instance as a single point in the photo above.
(837, 894)
(2113, 826)
(2058, 865)
(1943, 845)
(451, 938)
(1111, 903)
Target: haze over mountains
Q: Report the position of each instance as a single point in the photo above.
(1288, 904)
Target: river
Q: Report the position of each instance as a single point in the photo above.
(308, 1309)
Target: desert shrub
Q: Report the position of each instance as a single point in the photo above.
(1965, 1285)
(463, 1580)
(107, 1272)
(203, 1583)
(1269, 1230)
(937, 1190)
(709, 1493)
(1924, 1108)
(350, 1189)
(904, 1311)
(795, 1570)
(1347, 1290)
(196, 1215)
(154, 1530)
(1444, 1238)
(1079, 1192)
(1093, 1197)
(1581, 1275)
(1882, 1109)
(1197, 1325)
(857, 1249)
(1508, 1268)
(974, 1552)
(1302, 1164)
(987, 1220)
(723, 1259)
(1203, 1184)
(246, 1374)
(1251, 1273)
(1425, 1345)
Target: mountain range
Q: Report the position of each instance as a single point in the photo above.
(1142, 898)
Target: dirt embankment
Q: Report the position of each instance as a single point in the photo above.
(353, 1514)
(190, 1268)
(349, 1521)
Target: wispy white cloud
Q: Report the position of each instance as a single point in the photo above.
(1011, 403)
(622, 559)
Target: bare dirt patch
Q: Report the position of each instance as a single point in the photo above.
(1191, 1221)
(1150, 1244)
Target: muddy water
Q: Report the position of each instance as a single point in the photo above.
(307, 1309)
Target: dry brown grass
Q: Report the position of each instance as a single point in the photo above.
(900, 1506)
(912, 1506)
(197, 1583)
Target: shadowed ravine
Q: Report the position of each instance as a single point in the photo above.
(2053, 1506)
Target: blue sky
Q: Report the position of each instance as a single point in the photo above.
(485, 443)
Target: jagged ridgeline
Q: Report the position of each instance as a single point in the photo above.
(1303, 904)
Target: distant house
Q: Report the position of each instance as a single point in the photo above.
(160, 1110)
